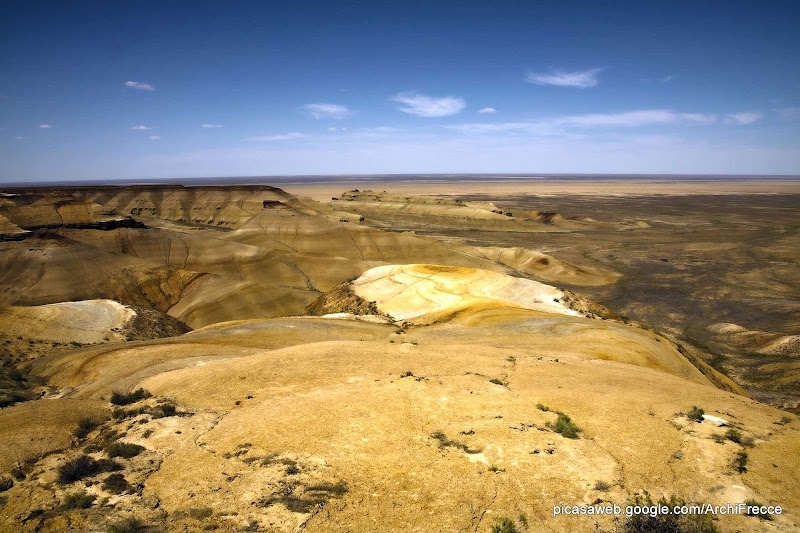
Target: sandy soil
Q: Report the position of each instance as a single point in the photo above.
(598, 187)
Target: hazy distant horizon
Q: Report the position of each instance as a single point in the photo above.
(367, 178)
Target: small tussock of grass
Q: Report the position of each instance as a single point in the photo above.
(668, 522)
(85, 426)
(542, 408)
(128, 525)
(407, 374)
(602, 486)
(121, 398)
(498, 381)
(162, 410)
(739, 462)
(445, 442)
(755, 503)
(126, 450)
(504, 524)
(564, 426)
(734, 435)
(695, 414)
(77, 500)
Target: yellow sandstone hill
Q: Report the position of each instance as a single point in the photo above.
(320, 424)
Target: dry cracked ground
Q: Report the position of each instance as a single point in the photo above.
(245, 359)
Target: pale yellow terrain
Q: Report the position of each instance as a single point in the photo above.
(84, 322)
(341, 410)
(423, 399)
(414, 291)
(322, 191)
(435, 427)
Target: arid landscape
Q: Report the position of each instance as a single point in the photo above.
(398, 355)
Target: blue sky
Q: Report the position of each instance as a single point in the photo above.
(127, 90)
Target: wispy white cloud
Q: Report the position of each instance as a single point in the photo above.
(666, 79)
(277, 137)
(319, 111)
(45, 126)
(376, 131)
(427, 106)
(487, 110)
(139, 85)
(154, 137)
(742, 119)
(788, 113)
(494, 128)
(581, 79)
(19, 138)
(635, 118)
(561, 124)
(141, 128)
(210, 125)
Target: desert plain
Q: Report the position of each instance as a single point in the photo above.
(398, 354)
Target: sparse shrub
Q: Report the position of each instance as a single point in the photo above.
(6, 483)
(754, 503)
(696, 414)
(147, 433)
(121, 398)
(164, 410)
(75, 469)
(407, 374)
(84, 466)
(504, 525)
(337, 489)
(126, 450)
(292, 470)
(116, 484)
(602, 486)
(78, 500)
(668, 522)
(446, 442)
(497, 381)
(128, 525)
(740, 462)
(719, 439)
(85, 426)
(734, 435)
(542, 407)
(565, 426)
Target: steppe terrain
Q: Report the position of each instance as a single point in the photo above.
(412, 357)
